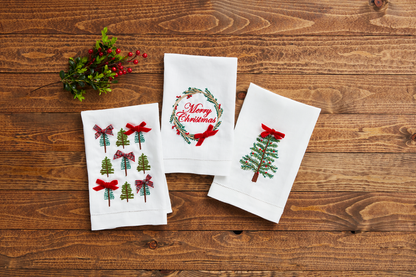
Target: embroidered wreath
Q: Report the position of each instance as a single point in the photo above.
(180, 128)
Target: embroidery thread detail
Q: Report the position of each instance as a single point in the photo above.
(139, 129)
(106, 167)
(108, 188)
(126, 192)
(143, 186)
(143, 163)
(263, 154)
(180, 128)
(104, 141)
(125, 164)
(122, 139)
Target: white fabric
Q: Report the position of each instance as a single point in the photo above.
(267, 197)
(120, 212)
(219, 76)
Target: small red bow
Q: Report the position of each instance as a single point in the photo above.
(204, 135)
(273, 132)
(120, 154)
(140, 183)
(108, 130)
(138, 128)
(105, 185)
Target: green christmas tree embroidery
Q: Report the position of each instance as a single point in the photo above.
(142, 186)
(125, 164)
(122, 139)
(126, 192)
(106, 167)
(143, 163)
(263, 154)
(108, 194)
(139, 138)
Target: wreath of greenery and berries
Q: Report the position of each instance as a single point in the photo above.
(180, 128)
(99, 69)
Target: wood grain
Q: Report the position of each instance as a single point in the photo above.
(256, 54)
(214, 17)
(359, 172)
(307, 211)
(336, 94)
(207, 250)
(333, 133)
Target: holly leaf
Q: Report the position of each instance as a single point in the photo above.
(62, 74)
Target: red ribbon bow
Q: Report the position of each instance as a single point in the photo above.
(99, 131)
(105, 185)
(204, 135)
(273, 132)
(138, 128)
(140, 183)
(120, 154)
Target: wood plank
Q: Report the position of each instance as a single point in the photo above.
(306, 211)
(207, 250)
(333, 133)
(339, 94)
(358, 172)
(215, 17)
(257, 54)
(195, 273)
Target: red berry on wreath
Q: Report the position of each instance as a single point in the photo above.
(101, 54)
(99, 49)
(124, 71)
(118, 51)
(111, 78)
(135, 61)
(144, 55)
(120, 73)
(109, 51)
(121, 67)
(137, 52)
(129, 70)
(114, 69)
(116, 75)
(113, 58)
(106, 63)
(130, 54)
(90, 51)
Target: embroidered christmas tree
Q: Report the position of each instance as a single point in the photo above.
(122, 139)
(103, 135)
(125, 163)
(126, 192)
(108, 188)
(143, 163)
(139, 130)
(142, 186)
(106, 167)
(263, 154)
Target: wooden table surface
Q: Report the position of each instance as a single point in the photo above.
(352, 209)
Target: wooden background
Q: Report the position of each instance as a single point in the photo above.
(352, 209)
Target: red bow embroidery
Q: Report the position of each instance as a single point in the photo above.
(105, 185)
(273, 132)
(138, 128)
(120, 154)
(140, 183)
(99, 131)
(204, 135)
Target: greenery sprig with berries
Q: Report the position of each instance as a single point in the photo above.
(99, 69)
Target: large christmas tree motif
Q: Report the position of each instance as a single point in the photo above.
(108, 188)
(126, 192)
(263, 154)
(106, 167)
(103, 135)
(125, 163)
(143, 163)
(122, 139)
(142, 186)
(139, 129)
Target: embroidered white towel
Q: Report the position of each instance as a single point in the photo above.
(198, 113)
(272, 134)
(126, 179)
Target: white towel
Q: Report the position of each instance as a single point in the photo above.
(198, 113)
(272, 134)
(126, 178)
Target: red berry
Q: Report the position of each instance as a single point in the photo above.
(130, 54)
(144, 55)
(101, 54)
(124, 72)
(113, 58)
(109, 51)
(106, 63)
(121, 67)
(129, 70)
(114, 69)
(118, 51)
(111, 78)
(99, 49)
(137, 52)
(135, 61)
(116, 75)
(90, 51)
(120, 73)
